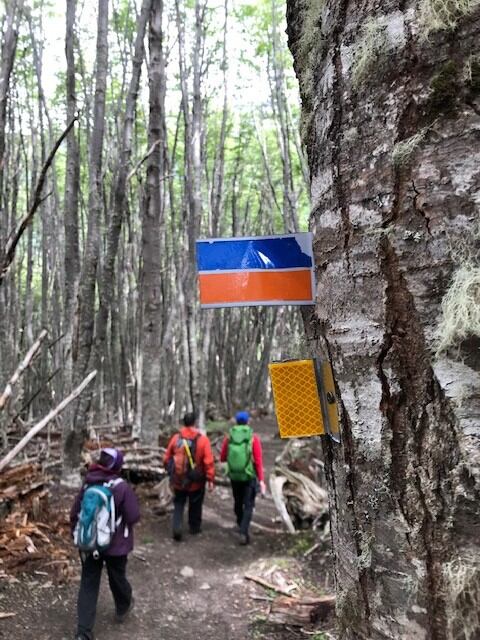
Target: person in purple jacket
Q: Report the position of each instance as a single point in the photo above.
(115, 557)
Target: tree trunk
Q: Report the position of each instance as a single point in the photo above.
(390, 121)
(72, 177)
(75, 433)
(120, 193)
(150, 278)
(9, 45)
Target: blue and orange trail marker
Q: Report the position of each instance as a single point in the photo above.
(261, 270)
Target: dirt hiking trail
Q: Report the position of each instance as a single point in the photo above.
(183, 591)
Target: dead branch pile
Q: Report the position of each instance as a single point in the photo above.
(25, 544)
(26, 540)
(297, 486)
(23, 487)
(141, 463)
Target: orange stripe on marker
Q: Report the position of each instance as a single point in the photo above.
(251, 286)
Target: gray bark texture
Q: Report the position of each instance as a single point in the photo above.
(150, 411)
(391, 122)
(75, 433)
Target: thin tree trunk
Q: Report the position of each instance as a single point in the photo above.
(120, 189)
(9, 45)
(72, 176)
(151, 299)
(75, 433)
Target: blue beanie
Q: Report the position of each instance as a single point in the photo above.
(242, 417)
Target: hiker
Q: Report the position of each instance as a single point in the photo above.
(189, 462)
(242, 451)
(102, 519)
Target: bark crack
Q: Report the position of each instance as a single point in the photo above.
(422, 436)
(419, 209)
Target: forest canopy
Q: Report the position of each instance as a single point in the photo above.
(186, 126)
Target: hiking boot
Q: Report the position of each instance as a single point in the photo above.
(177, 536)
(123, 616)
(195, 532)
(243, 539)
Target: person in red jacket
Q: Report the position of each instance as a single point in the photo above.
(189, 461)
(245, 490)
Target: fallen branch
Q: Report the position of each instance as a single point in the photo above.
(311, 550)
(262, 527)
(21, 369)
(43, 423)
(267, 585)
(37, 201)
(276, 489)
(300, 611)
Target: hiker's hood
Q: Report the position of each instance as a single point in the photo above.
(97, 474)
(189, 432)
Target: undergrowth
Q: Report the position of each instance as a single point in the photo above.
(443, 15)
(213, 426)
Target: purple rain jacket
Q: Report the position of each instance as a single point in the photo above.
(126, 505)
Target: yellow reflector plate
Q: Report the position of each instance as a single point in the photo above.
(297, 404)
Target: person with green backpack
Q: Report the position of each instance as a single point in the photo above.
(242, 451)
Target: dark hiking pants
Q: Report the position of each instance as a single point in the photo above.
(244, 501)
(90, 585)
(195, 504)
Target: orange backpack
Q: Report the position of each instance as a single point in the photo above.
(183, 468)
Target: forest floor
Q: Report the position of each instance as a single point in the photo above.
(196, 588)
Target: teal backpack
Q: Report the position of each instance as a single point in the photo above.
(97, 522)
(239, 459)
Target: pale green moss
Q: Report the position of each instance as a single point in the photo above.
(307, 50)
(404, 150)
(364, 560)
(443, 15)
(308, 45)
(460, 307)
(371, 44)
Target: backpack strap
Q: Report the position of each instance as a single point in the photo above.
(114, 521)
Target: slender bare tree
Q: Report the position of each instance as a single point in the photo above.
(149, 409)
(83, 341)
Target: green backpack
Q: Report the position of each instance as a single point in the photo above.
(239, 459)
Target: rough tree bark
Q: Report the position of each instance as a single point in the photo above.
(149, 410)
(72, 174)
(82, 347)
(116, 217)
(9, 46)
(391, 114)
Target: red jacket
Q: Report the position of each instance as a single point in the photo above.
(256, 455)
(203, 454)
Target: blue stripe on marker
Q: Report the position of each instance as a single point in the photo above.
(244, 254)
